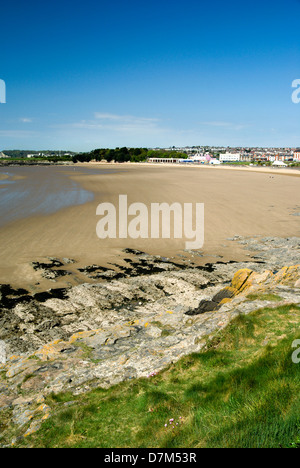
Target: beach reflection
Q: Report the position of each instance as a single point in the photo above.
(29, 191)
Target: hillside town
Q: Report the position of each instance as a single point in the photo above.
(218, 155)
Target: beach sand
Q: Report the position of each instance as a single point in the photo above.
(238, 201)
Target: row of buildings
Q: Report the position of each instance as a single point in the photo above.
(219, 155)
(260, 156)
(192, 159)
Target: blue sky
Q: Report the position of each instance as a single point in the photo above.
(83, 75)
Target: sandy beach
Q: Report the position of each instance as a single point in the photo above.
(238, 201)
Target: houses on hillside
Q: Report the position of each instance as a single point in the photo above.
(204, 155)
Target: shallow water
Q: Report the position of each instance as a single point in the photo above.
(29, 191)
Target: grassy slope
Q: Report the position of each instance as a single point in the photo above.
(242, 391)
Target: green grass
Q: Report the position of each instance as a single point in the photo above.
(241, 391)
(264, 297)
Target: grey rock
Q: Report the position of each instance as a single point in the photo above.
(2, 352)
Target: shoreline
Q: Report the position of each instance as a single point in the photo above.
(273, 170)
(276, 170)
(243, 203)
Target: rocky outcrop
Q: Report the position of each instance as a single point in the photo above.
(100, 334)
(246, 281)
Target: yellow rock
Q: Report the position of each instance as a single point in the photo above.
(232, 291)
(240, 278)
(225, 300)
(288, 275)
(245, 279)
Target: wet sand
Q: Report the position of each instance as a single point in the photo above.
(245, 202)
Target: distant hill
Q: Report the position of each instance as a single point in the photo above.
(23, 153)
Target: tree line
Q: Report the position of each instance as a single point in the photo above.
(125, 155)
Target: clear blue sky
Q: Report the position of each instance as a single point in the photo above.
(106, 73)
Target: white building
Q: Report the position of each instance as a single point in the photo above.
(297, 155)
(279, 164)
(230, 157)
(164, 160)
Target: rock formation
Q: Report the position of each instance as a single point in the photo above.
(100, 334)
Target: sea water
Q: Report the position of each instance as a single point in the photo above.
(36, 190)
